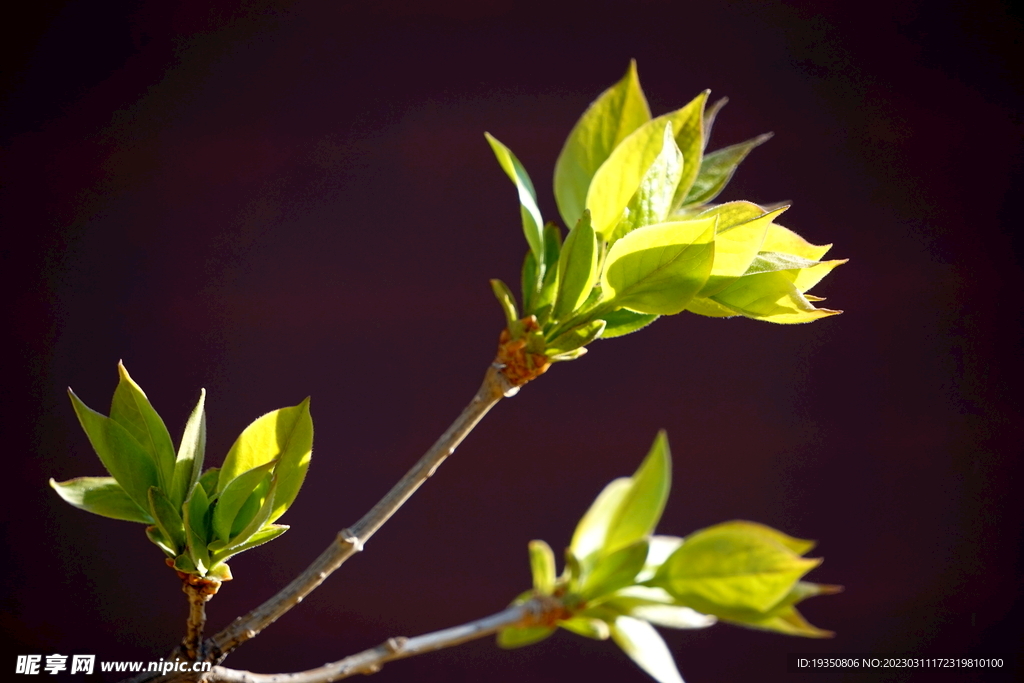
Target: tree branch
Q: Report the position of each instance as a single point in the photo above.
(197, 599)
(350, 541)
(371, 661)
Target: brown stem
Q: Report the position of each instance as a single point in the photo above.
(350, 541)
(197, 598)
(370, 661)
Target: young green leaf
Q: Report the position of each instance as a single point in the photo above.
(613, 571)
(640, 509)
(623, 321)
(588, 627)
(168, 520)
(208, 481)
(542, 566)
(234, 496)
(732, 566)
(285, 435)
(260, 520)
(616, 113)
(710, 114)
(132, 410)
(618, 178)
(507, 301)
(717, 168)
(592, 529)
(643, 645)
(197, 528)
(264, 535)
(736, 247)
(530, 283)
(250, 507)
(511, 638)
(575, 338)
(101, 496)
(577, 268)
(532, 222)
(157, 538)
(775, 296)
(659, 268)
(189, 463)
(652, 200)
(126, 460)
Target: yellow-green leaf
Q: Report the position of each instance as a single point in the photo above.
(191, 451)
(616, 113)
(285, 435)
(642, 505)
(532, 221)
(577, 268)
(125, 459)
(542, 566)
(131, 409)
(717, 168)
(101, 496)
(659, 268)
(732, 566)
(652, 200)
(644, 645)
(617, 179)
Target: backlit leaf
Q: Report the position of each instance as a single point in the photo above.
(234, 496)
(717, 168)
(644, 645)
(652, 200)
(542, 566)
(640, 508)
(285, 435)
(132, 410)
(168, 519)
(189, 463)
(101, 496)
(618, 178)
(659, 268)
(532, 221)
(616, 113)
(125, 459)
(623, 321)
(577, 268)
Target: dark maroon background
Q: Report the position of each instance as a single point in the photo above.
(274, 200)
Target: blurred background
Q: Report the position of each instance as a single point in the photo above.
(275, 199)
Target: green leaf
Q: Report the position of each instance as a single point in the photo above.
(197, 531)
(168, 519)
(264, 535)
(736, 248)
(616, 113)
(261, 519)
(101, 496)
(576, 338)
(588, 627)
(125, 459)
(776, 296)
(209, 480)
(656, 606)
(549, 283)
(652, 200)
(285, 435)
(640, 508)
(643, 645)
(577, 268)
(710, 114)
(529, 283)
(157, 538)
(542, 566)
(623, 321)
(732, 566)
(532, 221)
(507, 301)
(618, 178)
(592, 529)
(132, 410)
(250, 507)
(189, 463)
(784, 240)
(613, 571)
(784, 617)
(716, 170)
(659, 268)
(234, 496)
(511, 638)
